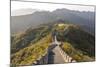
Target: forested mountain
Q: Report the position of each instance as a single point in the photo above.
(85, 19)
(27, 46)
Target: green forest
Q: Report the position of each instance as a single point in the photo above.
(28, 46)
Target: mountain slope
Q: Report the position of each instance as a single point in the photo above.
(28, 55)
(77, 43)
(85, 19)
(31, 35)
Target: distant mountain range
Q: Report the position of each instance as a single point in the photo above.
(85, 19)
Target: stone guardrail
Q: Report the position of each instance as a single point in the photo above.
(66, 57)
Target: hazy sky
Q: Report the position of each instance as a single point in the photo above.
(88, 2)
(15, 5)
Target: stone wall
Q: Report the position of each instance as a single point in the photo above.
(66, 57)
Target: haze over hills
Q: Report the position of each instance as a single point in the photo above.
(85, 19)
(22, 12)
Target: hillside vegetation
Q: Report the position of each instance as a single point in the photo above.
(76, 42)
(77, 55)
(28, 46)
(28, 55)
(23, 39)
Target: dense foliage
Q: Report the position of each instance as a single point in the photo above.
(28, 46)
(23, 39)
(77, 43)
(29, 55)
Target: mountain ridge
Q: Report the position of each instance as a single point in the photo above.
(77, 41)
(75, 17)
